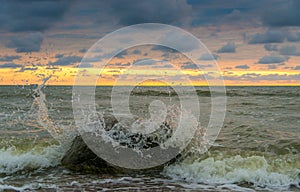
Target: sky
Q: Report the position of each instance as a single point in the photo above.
(252, 42)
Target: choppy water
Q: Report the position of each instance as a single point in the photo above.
(257, 149)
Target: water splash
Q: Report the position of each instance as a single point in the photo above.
(61, 133)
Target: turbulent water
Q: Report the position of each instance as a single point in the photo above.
(257, 149)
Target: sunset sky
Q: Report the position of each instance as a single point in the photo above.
(253, 42)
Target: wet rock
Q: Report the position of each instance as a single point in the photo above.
(82, 159)
(109, 121)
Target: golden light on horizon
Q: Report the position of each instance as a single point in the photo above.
(66, 76)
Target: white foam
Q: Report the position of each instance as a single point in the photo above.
(12, 161)
(14, 188)
(278, 174)
(29, 187)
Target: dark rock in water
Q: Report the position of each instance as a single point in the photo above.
(82, 159)
(109, 121)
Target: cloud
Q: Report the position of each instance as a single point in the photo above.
(83, 50)
(180, 43)
(242, 66)
(28, 69)
(270, 47)
(123, 64)
(136, 52)
(297, 67)
(31, 15)
(121, 54)
(223, 12)
(58, 55)
(74, 36)
(163, 49)
(85, 65)
(280, 14)
(272, 66)
(293, 37)
(271, 36)
(189, 65)
(208, 57)
(144, 62)
(274, 36)
(228, 48)
(156, 11)
(30, 43)
(259, 77)
(96, 58)
(9, 58)
(10, 65)
(202, 66)
(270, 59)
(163, 66)
(289, 50)
(67, 60)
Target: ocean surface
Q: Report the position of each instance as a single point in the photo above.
(258, 148)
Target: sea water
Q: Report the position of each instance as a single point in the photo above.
(258, 147)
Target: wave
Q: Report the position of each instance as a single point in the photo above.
(14, 161)
(259, 172)
(269, 92)
(265, 91)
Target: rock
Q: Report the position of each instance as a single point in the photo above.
(109, 121)
(81, 158)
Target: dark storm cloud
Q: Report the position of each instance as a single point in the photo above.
(271, 36)
(274, 36)
(7, 58)
(270, 47)
(242, 66)
(245, 12)
(270, 59)
(35, 15)
(29, 43)
(10, 65)
(228, 48)
(289, 50)
(284, 13)
(276, 13)
(174, 12)
(160, 11)
(67, 60)
(30, 15)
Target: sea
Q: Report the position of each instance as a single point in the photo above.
(257, 148)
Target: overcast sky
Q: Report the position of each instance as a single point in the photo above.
(253, 42)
